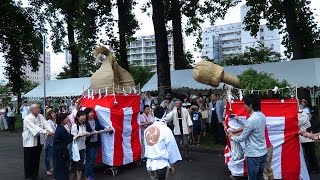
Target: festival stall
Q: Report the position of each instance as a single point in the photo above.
(281, 120)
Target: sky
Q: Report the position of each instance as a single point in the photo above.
(146, 28)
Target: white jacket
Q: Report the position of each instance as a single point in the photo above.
(161, 149)
(304, 123)
(32, 128)
(186, 121)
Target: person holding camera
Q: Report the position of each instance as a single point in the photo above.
(168, 104)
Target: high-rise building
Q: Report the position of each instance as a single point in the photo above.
(142, 52)
(37, 76)
(231, 39)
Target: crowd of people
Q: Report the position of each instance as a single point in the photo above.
(164, 129)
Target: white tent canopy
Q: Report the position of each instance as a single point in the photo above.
(303, 73)
(61, 88)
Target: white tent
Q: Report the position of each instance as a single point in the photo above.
(61, 88)
(303, 73)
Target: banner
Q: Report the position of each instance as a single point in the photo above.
(282, 123)
(119, 112)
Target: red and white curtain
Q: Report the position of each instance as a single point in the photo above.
(119, 112)
(282, 124)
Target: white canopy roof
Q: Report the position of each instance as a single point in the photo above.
(303, 73)
(61, 88)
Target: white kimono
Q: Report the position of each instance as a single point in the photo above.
(32, 128)
(161, 149)
(186, 121)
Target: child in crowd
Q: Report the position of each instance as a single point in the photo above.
(197, 124)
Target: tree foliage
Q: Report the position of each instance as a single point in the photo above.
(20, 41)
(5, 95)
(293, 17)
(28, 85)
(80, 22)
(87, 68)
(253, 80)
(253, 55)
(141, 74)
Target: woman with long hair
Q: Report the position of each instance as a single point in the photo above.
(78, 129)
(61, 154)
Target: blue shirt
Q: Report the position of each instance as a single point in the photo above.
(253, 135)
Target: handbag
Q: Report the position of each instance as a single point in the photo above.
(75, 151)
(204, 114)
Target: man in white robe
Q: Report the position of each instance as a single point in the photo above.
(34, 130)
(161, 149)
(182, 126)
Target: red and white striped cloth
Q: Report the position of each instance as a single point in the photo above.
(282, 122)
(123, 146)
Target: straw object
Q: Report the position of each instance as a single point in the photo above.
(209, 73)
(109, 72)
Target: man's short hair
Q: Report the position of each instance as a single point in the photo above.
(254, 101)
(159, 112)
(145, 106)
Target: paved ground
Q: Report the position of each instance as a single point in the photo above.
(205, 166)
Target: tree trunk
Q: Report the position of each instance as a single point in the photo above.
(18, 101)
(122, 23)
(177, 35)
(74, 65)
(298, 49)
(163, 66)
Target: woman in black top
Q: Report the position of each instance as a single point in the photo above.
(60, 151)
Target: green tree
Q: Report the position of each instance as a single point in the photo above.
(253, 55)
(28, 85)
(20, 42)
(195, 13)
(87, 68)
(5, 95)
(293, 17)
(141, 74)
(253, 80)
(159, 24)
(80, 21)
(127, 26)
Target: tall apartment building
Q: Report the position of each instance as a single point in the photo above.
(231, 39)
(142, 52)
(37, 76)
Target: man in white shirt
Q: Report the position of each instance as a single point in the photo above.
(161, 149)
(24, 109)
(147, 99)
(11, 115)
(34, 129)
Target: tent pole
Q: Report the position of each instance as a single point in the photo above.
(44, 74)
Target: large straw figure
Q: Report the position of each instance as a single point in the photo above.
(109, 71)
